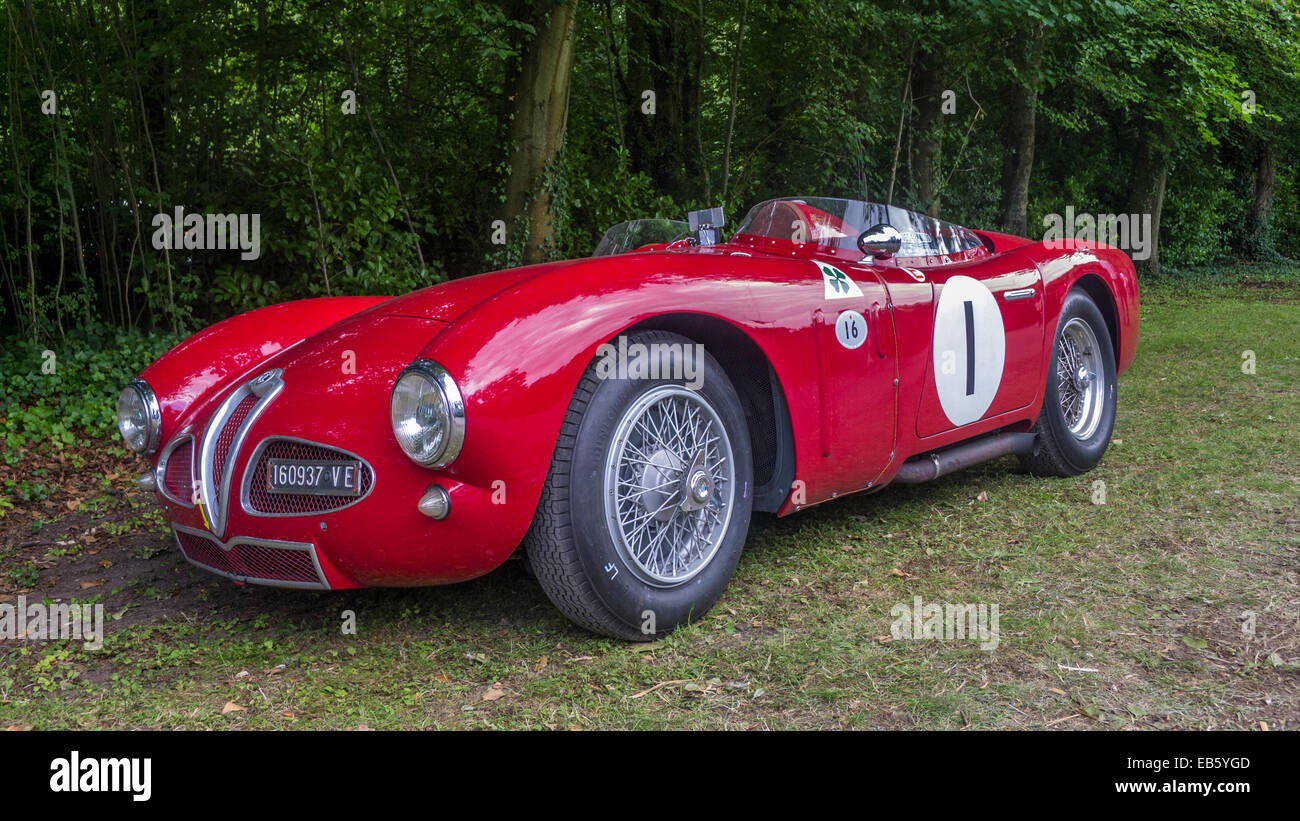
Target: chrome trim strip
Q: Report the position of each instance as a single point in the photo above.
(160, 472)
(246, 484)
(1019, 293)
(152, 411)
(304, 547)
(215, 500)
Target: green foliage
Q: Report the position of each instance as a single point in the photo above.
(44, 409)
(163, 105)
(1198, 212)
(585, 205)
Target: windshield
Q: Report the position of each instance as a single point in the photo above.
(836, 223)
(628, 236)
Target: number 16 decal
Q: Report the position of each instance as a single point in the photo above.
(969, 349)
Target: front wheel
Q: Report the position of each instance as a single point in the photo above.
(649, 494)
(1078, 415)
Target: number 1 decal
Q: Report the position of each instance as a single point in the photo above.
(970, 347)
(967, 321)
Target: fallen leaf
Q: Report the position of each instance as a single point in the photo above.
(1263, 725)
(361, 728)
(1058, 691)
(288, 714)
(106, 564)
(88, 585)
(443, 677)
(18, 728)
(541, 663)
(494, 692)
(232, 707)
(983, 497)
(72, 505)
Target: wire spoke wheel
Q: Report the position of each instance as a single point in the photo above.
(1079, 375)
(669, 485)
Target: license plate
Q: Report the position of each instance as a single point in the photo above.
(314, 477)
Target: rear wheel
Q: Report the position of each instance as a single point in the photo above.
(1078, 415)
(648, 498)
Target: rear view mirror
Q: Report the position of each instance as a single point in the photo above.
(880, 241)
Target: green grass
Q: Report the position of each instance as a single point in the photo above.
(1201, 523)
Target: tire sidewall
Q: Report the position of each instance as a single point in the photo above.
(1081, 454)
(624, 594)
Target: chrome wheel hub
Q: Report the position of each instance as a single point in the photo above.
(669, 485)
(1079, 388)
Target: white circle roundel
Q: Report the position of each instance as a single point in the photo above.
(970, 348)
(851, 329)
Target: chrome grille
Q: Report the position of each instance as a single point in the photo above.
(222, 440)
(227, 435)
(176, 471)
(278, 564)
(260, 502)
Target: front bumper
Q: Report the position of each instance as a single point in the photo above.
(211, 480)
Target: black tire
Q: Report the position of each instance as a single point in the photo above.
(570, 545)
(1058, 451)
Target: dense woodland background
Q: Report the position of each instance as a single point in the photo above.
(535, 113)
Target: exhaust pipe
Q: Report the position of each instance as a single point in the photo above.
(940, 463)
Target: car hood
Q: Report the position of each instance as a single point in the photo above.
(448, 300)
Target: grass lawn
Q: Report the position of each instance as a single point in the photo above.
(1132, 613)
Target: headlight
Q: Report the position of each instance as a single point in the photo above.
(138, 418)
(428, 414)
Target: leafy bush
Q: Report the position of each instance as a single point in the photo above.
(51, 395)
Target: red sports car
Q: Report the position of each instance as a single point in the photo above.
(621, 416)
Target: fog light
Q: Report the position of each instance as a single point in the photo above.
(435, 503)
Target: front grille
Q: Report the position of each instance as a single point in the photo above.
(227, 436)
(178, 473)
(258, 500)
(222, 440)
(284, 564)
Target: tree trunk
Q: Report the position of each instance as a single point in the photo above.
(541, 108)
(664, 57)
(1256, 244)
(927, 91)
(1018, 161)
(1147, 194)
